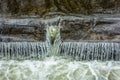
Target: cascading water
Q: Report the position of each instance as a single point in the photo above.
(53, 40)
(22, 50)
(88, 63)
(83, 50)
(103, 51)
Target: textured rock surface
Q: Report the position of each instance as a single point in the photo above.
(109, 28)
(99, 30)
(72, 28)
(42, 7)
(21, 30)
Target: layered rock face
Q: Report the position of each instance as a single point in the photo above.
(21, 30)
(25, 20)
(72, 28)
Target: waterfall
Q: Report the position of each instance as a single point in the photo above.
(53, 40)
(22, 50)
(53, 46)
(86, 50)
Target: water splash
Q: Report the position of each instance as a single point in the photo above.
(53, 40)
(58, 68)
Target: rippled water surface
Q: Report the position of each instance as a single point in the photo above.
(57, 68)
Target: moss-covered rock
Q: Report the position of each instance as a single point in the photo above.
(41, 7)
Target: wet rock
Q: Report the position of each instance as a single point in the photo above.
(72, 28)
(91, 29)
(110, 28)
(9, 38)
(22, 29)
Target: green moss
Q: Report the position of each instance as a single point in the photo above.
(106, 3)
(67, 6)
(13, 6)
(74, 6)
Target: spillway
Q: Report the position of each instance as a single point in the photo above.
(22, 50)
(84, 50)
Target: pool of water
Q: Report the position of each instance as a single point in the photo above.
(59, 68)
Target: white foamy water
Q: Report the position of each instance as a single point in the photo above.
(57, 68)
